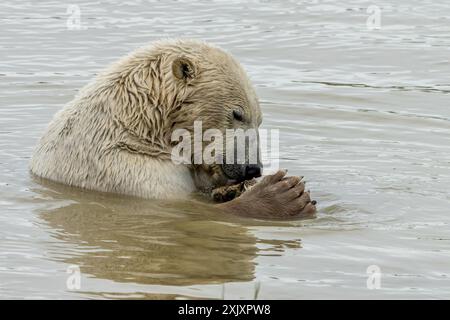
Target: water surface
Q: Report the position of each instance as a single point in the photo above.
(363, 114)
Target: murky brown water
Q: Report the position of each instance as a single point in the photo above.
(364, 115)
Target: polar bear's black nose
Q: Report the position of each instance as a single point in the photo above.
(241, 172)
(252, 171)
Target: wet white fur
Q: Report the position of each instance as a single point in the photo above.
(115, 135)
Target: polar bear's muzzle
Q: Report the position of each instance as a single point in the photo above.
(241, 172)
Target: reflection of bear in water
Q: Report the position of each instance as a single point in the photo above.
(150, 242)
(115, 136)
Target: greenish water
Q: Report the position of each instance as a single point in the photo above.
(363, 115)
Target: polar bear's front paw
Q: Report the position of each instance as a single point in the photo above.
(276, 196)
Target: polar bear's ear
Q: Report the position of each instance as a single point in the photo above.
(183, 69)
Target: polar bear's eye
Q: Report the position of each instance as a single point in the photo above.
(237, 115)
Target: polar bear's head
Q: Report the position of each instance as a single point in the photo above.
(175, 84)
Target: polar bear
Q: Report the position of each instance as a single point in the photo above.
(115, 135)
